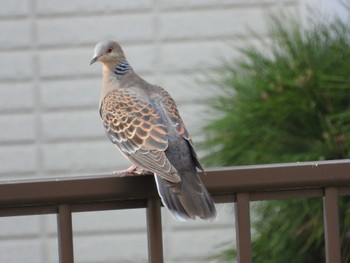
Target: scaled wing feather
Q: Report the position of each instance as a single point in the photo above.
(138, 130)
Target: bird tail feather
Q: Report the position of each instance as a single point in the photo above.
(187, 199)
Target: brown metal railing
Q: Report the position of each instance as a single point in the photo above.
(328, 179)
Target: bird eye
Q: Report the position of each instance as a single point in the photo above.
(109, 50)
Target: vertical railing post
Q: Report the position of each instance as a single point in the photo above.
(154, 231)
(65, 236)
(244, 251)
(331, 225)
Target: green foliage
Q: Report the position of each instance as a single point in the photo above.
(287, 101)
(295, 238)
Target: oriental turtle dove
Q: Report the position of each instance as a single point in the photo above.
(142, 120)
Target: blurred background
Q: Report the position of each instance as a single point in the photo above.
(49, 121)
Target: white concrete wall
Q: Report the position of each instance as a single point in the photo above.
(50, 127)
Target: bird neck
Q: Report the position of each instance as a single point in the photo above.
(116, 70)
(121, 69)
(113, 76)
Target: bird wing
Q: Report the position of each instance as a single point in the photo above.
(173, 115)
(138, 130)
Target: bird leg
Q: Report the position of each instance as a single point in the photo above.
(132, 170)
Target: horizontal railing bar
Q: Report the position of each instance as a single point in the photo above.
(278, 176)
(79, 207)
(287, 194)
(137, 204)
(224, 198)
(112, 205)
(28, 210)
(84, 189)
(79, 192)
(342, 191)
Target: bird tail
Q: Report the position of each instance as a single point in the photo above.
(187, 199)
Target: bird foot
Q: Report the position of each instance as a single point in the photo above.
(132, 170)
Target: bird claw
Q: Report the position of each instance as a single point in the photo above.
(132, 170)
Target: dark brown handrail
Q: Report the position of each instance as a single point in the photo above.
(255, 178)
(243, 184)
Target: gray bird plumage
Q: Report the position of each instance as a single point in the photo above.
(142, 120)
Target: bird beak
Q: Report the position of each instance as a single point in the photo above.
(94, 59)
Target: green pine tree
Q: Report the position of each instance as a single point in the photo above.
(288, 101)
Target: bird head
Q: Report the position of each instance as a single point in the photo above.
(108, 52)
